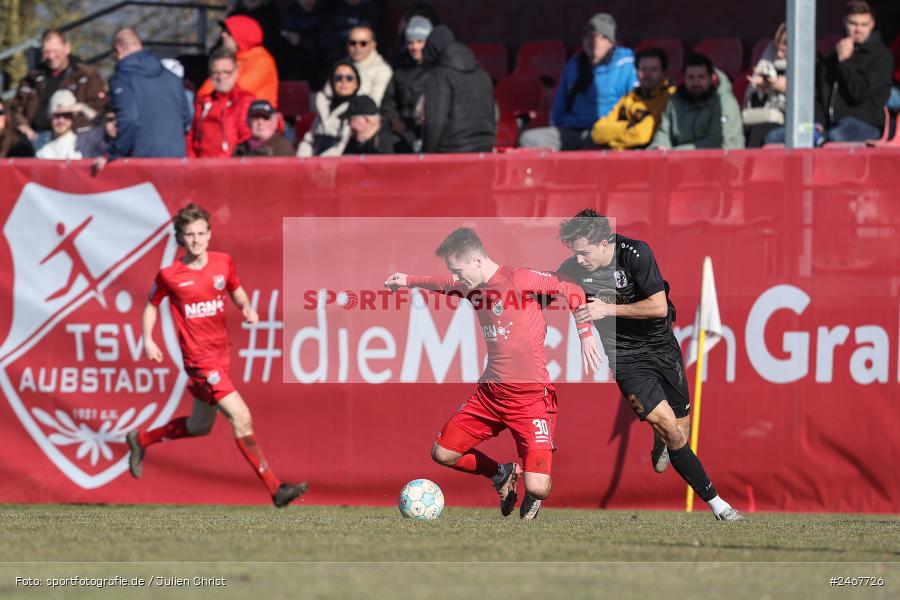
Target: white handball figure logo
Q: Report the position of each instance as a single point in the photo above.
(71, 364)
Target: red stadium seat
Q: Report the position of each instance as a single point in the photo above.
(492, 57)
(758, 48)
(304, 123)
(547, 58)
(726, 53)
(895, 50)
(520, 94)
(739, 86)
(826, 43)
(293, 98)
(673, 48)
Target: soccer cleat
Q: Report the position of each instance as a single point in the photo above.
(507, 488)
(136, 457)
(659, 456)
(529, 509)
(288, 492)
(729, 514)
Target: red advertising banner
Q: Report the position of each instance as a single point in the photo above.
(800, 404)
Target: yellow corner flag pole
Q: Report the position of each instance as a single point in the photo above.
(707, 321)
(695, 417)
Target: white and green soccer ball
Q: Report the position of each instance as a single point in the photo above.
(421, 499)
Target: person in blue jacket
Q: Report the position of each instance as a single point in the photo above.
(152, 112)
(592, 82)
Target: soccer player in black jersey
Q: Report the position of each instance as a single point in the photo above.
(629, 304)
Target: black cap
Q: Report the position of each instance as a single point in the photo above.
(360, 105)
(261, 108)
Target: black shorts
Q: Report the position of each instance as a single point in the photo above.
(652, 378)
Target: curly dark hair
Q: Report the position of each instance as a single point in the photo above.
(587, 224)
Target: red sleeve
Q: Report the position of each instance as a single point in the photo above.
(550, 284)
(158, 290)
(437, 283)
(243, 127)
(233, 282)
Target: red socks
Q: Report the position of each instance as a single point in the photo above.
(477, 463)
(254, 456)
(174, 429)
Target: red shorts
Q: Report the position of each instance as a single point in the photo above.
(531, 422)
(209, 385)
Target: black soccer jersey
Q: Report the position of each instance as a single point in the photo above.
(632, 276)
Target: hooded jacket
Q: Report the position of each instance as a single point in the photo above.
(257, 71)
(613, 77)
(459, 98)
(152, 112)
(711, 121)
(858, 87)
(403, 93)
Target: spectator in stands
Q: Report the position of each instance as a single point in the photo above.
(702, 113)
(374, 72)
(369, 134)
(302, 23)
(329, 133)
(259, 76)
(220, 118)
(13, 143)
(459, 98)
(592, 82)
(345, 15)
(174, 65)
(152, 112)
(854, 83)
(407, 85)
(633, 120)
(63, 108)
(93, 143)
(265, 139)
(268, 15)
(58, 71)
(765, 100)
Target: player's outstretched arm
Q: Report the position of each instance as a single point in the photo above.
(396, 281)
(148, 321)
(653, 307)
(242, 301)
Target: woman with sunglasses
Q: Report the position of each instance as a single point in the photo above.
(330, 133)
(62, 111)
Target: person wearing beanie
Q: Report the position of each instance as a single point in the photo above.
(407, 85)
(592, 83)
(458, 99)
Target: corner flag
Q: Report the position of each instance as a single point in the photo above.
(707, 333)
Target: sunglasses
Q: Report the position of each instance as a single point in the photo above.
(348, 78)
(110, 119)
(360, 43)
(63, 116)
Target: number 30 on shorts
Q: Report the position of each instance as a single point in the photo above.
(541, 430)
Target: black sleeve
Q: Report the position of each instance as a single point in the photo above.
(437, 112)
(641, 264)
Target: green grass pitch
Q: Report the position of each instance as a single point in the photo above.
(364, 552)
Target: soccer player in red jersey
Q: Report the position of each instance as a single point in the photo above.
(196, 287)
(514, 392)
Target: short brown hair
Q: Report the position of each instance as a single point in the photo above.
(222, 54)
(462, 241)
(857, 7)
(186, 216)
(587, 224)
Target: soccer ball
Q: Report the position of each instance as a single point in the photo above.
(421, 499)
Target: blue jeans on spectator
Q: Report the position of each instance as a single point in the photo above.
(848, 129)
(893, 103)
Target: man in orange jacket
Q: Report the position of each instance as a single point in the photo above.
(220, 118)
(258, 74)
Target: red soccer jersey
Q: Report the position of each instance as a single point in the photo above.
(198, 301)
(513, 325)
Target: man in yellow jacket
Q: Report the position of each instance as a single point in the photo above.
(633, 120)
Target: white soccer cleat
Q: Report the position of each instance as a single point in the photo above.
(729, 514)
(529, 509)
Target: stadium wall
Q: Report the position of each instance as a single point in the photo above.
(800, 409)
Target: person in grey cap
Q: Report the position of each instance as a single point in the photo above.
(592, 82)
(407, 85)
